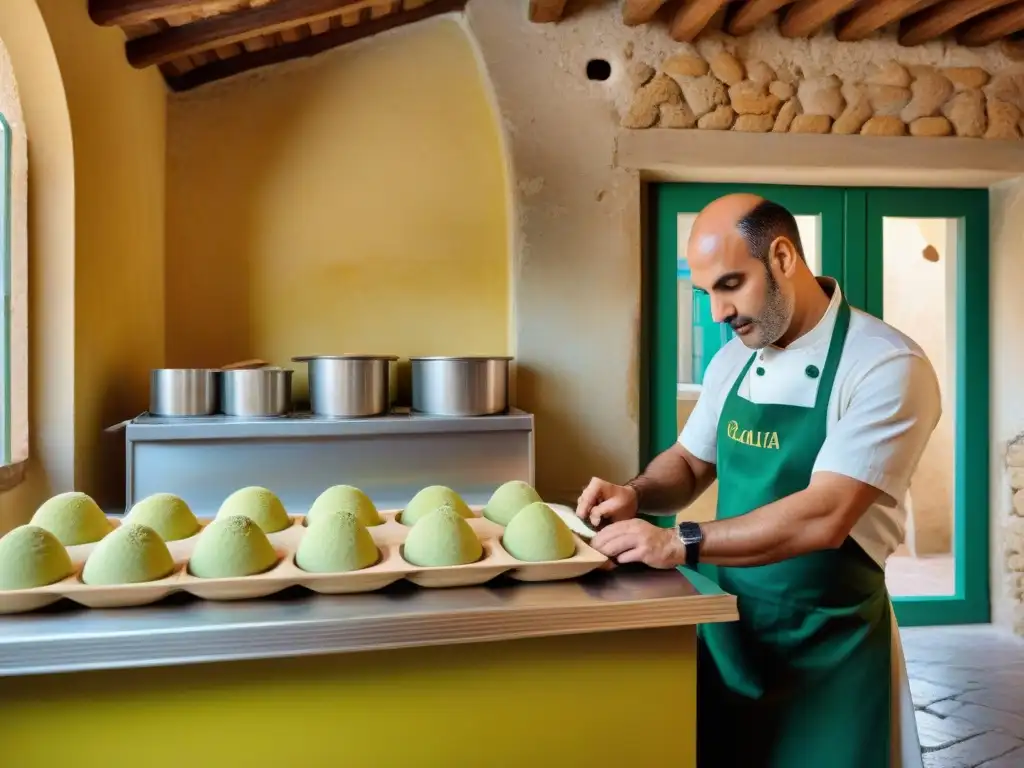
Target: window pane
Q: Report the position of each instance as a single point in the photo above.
(810, 239)
(919, 259)
(699, 336)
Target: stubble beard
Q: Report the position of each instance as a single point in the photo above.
(774, 318)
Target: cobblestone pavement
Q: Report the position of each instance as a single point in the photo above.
(968, 689)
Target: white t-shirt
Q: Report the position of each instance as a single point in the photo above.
(884, 405)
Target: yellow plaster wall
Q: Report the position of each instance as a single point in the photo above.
(355, 202)
(118, 120)
(519, 703)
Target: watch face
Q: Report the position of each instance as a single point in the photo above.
(691, 535)
(689, 532)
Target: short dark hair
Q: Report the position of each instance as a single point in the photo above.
(766, 222)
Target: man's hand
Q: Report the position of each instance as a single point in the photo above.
(637, 541)
(603, 502)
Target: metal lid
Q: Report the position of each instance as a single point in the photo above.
(255, 371)
(306, 358)
(465, 357)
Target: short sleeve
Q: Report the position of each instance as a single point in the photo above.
(700, 433)
(880, 436)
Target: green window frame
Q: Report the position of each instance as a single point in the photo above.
(851, 251)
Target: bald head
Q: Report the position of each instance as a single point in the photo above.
(745, 251)
(755, 221)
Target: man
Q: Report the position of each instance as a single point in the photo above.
(813, 420)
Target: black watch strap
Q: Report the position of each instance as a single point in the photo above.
(692, 535)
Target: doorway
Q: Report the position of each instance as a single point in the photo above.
(916, 258)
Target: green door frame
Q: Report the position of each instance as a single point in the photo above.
(851, 248)
(969, 208)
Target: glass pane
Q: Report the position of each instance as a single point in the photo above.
(919, 298)
(684, 296)
(810, 239)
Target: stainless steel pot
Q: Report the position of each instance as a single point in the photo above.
(349, 386)
(460, 386)
(256, 391)
(183, 391)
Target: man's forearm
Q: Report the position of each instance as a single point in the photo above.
(766, 535)
(667, 485)
(808, 521)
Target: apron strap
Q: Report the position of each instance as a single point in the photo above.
(739, 379)
(835, 353)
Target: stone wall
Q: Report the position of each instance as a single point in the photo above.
(1014, 530)
(721, 92)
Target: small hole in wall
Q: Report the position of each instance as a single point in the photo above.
(598, 69)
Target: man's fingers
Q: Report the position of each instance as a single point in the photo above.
(604, 511)
(590, 496)
(612, 543)
(635, 555)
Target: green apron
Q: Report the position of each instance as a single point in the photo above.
(803, 678)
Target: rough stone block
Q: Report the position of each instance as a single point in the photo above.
(884, 125)
(726, 67)
(719, 120)
(685, 65)
(811, 124)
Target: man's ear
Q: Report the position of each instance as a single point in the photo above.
(783, 254)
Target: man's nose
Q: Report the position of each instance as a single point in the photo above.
(721, 310)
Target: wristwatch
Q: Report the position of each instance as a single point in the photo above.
(691, 534)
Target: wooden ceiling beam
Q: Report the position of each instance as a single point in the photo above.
(992, 27)
(804, 18)
(546, 11)
(869, 16)
(125, 13)
(227, 28)
(1012, 47)
(637, 12)
(936, 21)
(751, 13)
(310, 46)
(691, 18)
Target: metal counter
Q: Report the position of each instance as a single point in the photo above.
(203, 459)
(184, 630)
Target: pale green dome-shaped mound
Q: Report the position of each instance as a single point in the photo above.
(259, 505)
(132, 554)
(230, 547)
(431, 499)
(31, 556)
(336, 542)
(508, 499)
(442, 537)
(345, 498)
(538, 534)
(166, 514)
(73, 517)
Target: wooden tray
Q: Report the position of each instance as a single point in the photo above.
(391, 567)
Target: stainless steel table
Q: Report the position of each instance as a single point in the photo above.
(185, 630)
